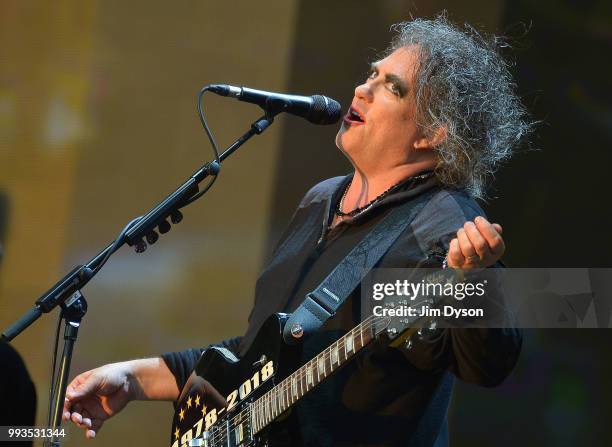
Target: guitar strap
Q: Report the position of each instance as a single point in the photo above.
(323, 302)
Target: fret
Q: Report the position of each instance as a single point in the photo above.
(262, 421)
(309, 378)
(348, 344)
(285, 386)
(334, 354)
(263, 411)
(368, 336)
(313, 368)
(361, 334)
(321, 367)
(293, 388)
(328, 359)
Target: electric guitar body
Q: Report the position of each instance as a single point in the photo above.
(223, 409)
(231, 402)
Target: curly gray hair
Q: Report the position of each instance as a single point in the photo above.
(463, 86)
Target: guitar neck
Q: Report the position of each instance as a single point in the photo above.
(284, 395)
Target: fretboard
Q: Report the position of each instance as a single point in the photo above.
(280, 398)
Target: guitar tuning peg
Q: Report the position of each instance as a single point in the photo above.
(152, 237)
(421, 333)
(140, 246)
(176, 216)
(164, 226)
(433, 325)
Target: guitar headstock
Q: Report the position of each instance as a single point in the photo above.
(399, 317)
(398, 330)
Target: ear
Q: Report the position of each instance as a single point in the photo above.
(429, 143)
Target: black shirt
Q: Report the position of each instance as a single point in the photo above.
(386, 396)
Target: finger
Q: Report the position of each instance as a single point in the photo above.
(77, 418)
(86, 419)
(466, 246)
(491, 232)
(478, 242)
(455, 258)
(96, 425)
(81, 386)
(66, 410)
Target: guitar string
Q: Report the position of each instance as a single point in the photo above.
(232, 423)
(266, 399)
(302, 371)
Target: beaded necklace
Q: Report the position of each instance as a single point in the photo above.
(338, 211)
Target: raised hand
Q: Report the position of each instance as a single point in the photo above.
(478, 244)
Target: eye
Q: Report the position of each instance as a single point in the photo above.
(373, 73)
(393, 88)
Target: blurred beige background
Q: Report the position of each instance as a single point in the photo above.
(98, 124)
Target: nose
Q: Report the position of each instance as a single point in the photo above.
(364, 92)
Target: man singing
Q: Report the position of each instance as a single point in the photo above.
(436, 115)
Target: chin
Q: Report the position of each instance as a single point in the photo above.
(343, 139)
(339, 139)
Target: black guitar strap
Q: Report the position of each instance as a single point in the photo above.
(323, 302)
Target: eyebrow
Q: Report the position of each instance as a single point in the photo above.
(393, 78)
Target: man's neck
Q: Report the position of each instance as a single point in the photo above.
(365, 188)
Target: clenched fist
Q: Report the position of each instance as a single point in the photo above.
(478, 244)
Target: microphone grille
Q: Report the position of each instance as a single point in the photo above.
(324, 110)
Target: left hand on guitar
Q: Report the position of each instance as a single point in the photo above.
(478, 244)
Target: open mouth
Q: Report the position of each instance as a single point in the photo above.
(353, 116)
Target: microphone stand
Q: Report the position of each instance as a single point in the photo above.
(66, 293)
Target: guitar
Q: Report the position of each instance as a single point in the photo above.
(231, 402)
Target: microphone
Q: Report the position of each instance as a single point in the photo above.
(317, 109)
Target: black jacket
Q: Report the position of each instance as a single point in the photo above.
(386, 396)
